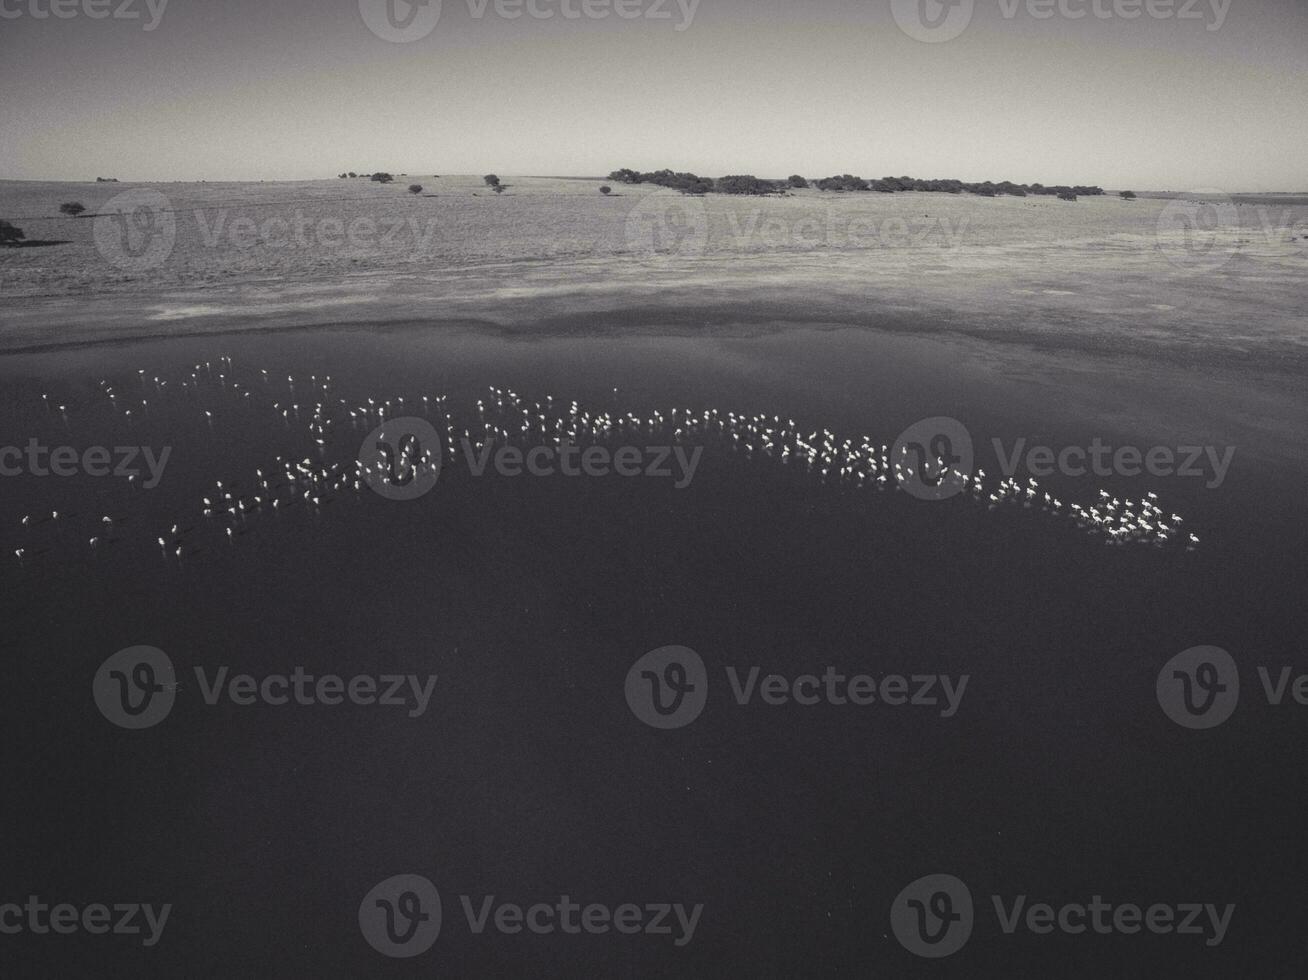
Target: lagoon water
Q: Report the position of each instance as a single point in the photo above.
(530, 598)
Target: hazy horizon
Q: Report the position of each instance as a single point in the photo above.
(419, 175)
(251, 91)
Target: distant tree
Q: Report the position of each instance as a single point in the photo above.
(606, 190)
(353, 174)
(415, 188)
(72, 208)
(845, 182)
(491, 180)
(10, 234)
(1128, 195)
(744, 184)
(1066, 196)
(382, 178)
(342, 176)
(797, 182)
(625, 176)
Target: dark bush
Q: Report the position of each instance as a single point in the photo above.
(491, 180)
(1128, 195)
(72, 208)
(1066, 196)
(692, 184)
(415, 188)
(745, 184)
(9, 233)
(382, 178)
(606, 190)
(687, 183)
(845, 182)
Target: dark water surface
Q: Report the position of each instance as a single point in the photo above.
(528, 777)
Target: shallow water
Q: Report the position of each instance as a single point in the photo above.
(530, 598)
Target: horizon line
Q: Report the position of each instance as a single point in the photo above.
(304, 180)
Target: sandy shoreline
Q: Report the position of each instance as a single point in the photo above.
(1211, 322)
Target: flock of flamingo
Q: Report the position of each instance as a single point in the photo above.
(334, 427)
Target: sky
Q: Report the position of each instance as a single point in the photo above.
(1021, 90)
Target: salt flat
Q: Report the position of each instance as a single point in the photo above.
(1100, 274)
